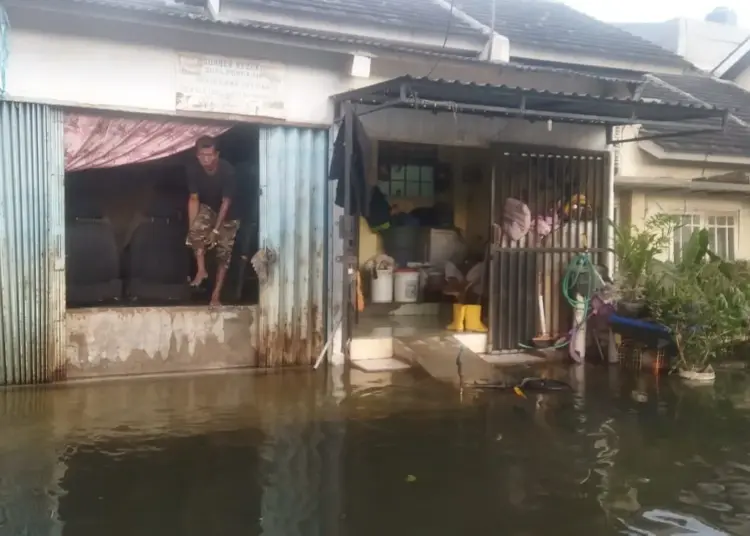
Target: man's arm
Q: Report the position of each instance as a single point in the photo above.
(193, 200)
(229, 187)
(193, 207)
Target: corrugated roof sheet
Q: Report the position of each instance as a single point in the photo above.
(734, 141)
(537, 102)
(554, 26)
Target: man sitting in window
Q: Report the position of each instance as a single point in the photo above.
(213, 219)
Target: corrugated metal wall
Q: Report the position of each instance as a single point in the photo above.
(32, 256)
(293, 223)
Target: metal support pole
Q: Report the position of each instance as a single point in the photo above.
(347, 268)
(609, 205)
(492, 301)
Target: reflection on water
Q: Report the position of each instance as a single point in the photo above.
(292, 454)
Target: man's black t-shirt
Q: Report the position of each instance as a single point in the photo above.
(211, 189)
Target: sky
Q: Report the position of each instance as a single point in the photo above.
(658, 10)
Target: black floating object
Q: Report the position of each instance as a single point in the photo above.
(543, 385)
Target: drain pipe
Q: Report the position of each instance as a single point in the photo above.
(328, 343)
(492, 30)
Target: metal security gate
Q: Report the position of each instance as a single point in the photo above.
(32, 246)
(570, 193)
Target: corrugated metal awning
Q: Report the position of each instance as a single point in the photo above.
(528, 103)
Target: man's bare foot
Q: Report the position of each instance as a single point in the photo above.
(200, 277)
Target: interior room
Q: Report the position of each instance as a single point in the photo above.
(126, 228)
(414, 262)
(433, 251)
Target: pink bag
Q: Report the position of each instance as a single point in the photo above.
(516, 219)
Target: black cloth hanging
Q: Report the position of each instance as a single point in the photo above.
(360, 189)
(360, 164)
(366, 198)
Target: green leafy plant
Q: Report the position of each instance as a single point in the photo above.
(702, 301)
(637, 250)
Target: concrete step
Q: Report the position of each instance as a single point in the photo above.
(513, 359)
(371, 347)
(445, 358)
(381, 365)
(476, 342)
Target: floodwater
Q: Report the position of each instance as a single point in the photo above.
(306, 454)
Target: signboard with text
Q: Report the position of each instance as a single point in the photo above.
(236, 86)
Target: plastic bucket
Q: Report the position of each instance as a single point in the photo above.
(407, 286)
(381, 287)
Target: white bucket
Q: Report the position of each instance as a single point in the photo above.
(381, 288)
(407, 286)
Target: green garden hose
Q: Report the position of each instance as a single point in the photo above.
(579, 265)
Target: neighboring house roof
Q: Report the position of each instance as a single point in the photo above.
(553, 26)
(532, 24)
(704, 89)
(423, 15)
(191, 13)
(541, 25)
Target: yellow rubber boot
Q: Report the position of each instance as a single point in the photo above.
(459, 315)
(474, 319)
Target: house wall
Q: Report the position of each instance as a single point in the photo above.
(636, 162)
(100, 73)
(146, 340)
(61, 60)
(636, 205)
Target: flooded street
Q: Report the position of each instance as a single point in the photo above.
(299, 454)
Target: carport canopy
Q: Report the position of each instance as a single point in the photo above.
(408, 92)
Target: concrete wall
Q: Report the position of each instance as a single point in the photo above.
(111, 71)
(636, 162)
(637, 205)
(145, 340)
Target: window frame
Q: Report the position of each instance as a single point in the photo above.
(407, 157)
(703, 220)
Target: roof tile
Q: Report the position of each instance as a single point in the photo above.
(733, 141)
(412, 14)
(553, 26)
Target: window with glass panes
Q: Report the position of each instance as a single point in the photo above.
(407, 170)
(409, 180)
(722, 233)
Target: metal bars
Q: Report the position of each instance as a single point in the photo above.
(568, 192)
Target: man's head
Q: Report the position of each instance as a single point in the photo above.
(207, 153)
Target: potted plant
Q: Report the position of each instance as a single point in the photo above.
(702, 305)
(636, 251)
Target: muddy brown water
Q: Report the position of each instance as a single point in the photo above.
(301, 454)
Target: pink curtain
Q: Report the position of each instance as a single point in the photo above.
(93, 141)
